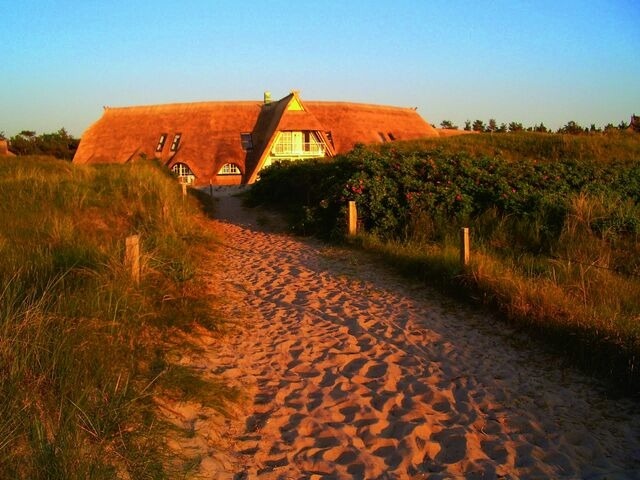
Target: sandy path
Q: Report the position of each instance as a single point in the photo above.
(353, 372)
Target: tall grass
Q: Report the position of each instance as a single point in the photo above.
(77, 339)
(615, 146)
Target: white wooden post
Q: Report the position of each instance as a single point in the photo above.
(464, 246)
(132, 256)
(353, 219)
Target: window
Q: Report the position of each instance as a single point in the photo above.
(183, 172)
(247, 141)
(176, 142)
(329, 137)
(160, 146)
(382, 137)
(391, 136)
(230, 169)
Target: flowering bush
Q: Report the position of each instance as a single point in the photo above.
(400, 193)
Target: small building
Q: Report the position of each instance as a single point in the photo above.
(4, 149)
(228, 143)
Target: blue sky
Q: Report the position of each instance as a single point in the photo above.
(527, 61)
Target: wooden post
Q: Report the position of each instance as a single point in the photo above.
(464, 246)
(184, 189)
(353, 219)
(132, 256)
(210, 188)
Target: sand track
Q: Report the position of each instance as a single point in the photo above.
(352, 372)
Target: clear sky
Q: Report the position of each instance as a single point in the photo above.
(526, 61)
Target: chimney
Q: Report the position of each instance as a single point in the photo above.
(267, 98)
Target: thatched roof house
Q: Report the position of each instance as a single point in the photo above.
(227, 143)
(4, 149)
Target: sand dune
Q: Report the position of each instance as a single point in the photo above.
(351, 372)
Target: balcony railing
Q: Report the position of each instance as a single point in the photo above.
(311, 149)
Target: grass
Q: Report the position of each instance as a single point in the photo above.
(615, 146)
(82, 349)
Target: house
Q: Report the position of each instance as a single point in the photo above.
(4, 149)
(228, 143)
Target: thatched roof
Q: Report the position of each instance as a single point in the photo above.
(4, 149)
(210, 131)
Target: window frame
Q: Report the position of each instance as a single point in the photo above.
(246, 140)
(176, 142)
(233, 169)
(161, 142)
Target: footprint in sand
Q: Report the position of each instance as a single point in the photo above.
(359, 374)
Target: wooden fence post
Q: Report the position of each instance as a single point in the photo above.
(184, 189)
(353, 218)
(132, 256)
(464, 246)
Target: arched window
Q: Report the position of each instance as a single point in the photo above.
(183, 172)
(230, 169)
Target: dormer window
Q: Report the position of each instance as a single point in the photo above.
(160, 146)
(247, 141)
(176, 142)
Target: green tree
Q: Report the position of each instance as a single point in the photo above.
(478, 126)
(571, 128)
(59, 144)
(467, 126)
(515, 127)
(502, 128)
(540, 128)
(448, 125)
(493, 126)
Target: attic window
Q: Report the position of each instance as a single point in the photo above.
(160, 146)
(329, 137)
(183, 172)
(176, 142)
(391, 136)
(230, 169)
(247, 141)
(382, 137)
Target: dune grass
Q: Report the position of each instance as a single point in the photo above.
(82, 349)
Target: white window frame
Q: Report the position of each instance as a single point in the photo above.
(183, 172)
(176, 142)
(161, 142)
(230, 169)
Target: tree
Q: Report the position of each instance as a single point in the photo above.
(493, 126)
(478, 126)
(623, 125)
(59, 144)
(540, 128)
(2, 135)
(515, 127)
(502, 128)
(448, 125)
(571, 128)
(467, 126)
